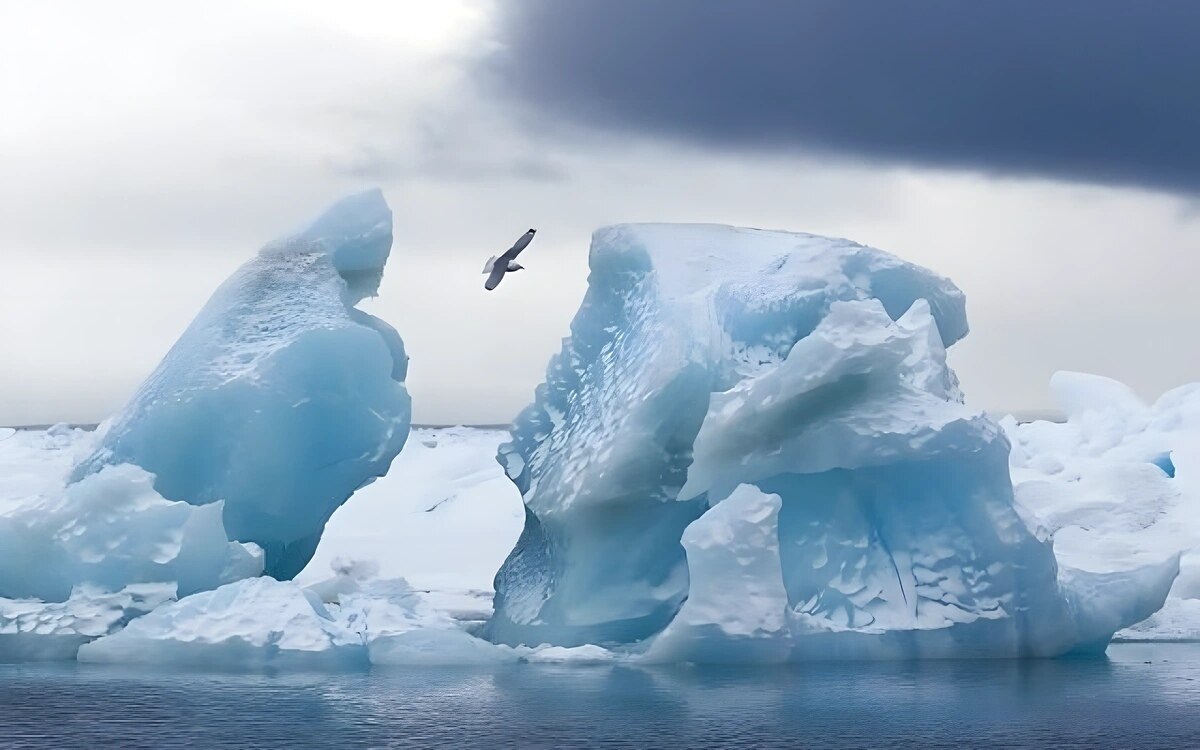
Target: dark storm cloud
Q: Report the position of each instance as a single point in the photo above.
(1098, 90)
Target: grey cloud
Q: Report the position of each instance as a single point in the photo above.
(1093, 90)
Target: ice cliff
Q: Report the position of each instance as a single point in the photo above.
(752, 444)
(281, 398)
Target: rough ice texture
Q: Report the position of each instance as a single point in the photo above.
(250, 624)
(112, 529)
(281, 398)
(1117, 486)
(736, 608)
(261, 623)
(32, 630)
(703, 358)
(79, 560)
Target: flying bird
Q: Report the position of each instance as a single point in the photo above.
(497, 267)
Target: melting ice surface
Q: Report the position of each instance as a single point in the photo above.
(281, 398)
(726, 387)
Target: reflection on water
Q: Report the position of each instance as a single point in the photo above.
(1142, 696)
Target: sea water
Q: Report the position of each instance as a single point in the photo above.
(1143, 695)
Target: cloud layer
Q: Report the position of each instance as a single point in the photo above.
(1094, 90)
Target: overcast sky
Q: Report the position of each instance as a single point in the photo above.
(1042, 155)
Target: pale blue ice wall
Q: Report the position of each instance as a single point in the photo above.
(281, 398)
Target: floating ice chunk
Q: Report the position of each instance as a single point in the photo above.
(261, 623)
(281, 398)
(248, 625)
(32, 630)
(436, 647)
(400, 627)
(588, 654)
(703, 358)
(112, 529)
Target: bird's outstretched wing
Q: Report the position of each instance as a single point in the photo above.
(498, 272)
(515, 250)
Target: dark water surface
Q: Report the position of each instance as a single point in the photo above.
(1142, 696)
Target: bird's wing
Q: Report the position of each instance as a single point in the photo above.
(491, 263)
(521, 244)
(494, 279)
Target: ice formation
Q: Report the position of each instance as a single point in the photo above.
(260, 623)
(1117, 486)
(704, 358)
(33, 630)
(252, 623)
(79, 561)
(281, 398)
(112, 529)
(737, 604)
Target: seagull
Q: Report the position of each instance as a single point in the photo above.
(497, 267)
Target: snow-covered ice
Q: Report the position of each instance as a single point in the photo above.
(33, 630)
(1118, 485)
(444, 517)
(281, 398)
(703, 358)
(260, 623)
(78, 561)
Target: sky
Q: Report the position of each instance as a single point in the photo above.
(1042, 155)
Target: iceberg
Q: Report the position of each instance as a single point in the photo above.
(281, 398)
(751, 447)
(260, 623)
(1116, 484)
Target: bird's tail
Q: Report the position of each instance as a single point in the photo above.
(491, 262)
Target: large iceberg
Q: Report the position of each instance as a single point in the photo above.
(813, 371)
(281, 398)
(1117, 484)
